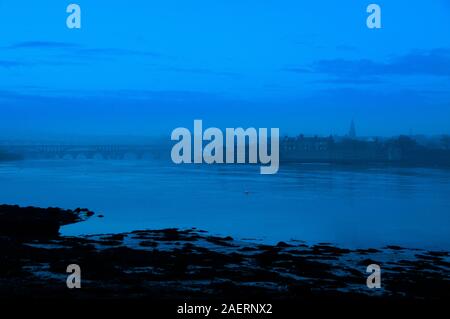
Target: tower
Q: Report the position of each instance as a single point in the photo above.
(352, 131)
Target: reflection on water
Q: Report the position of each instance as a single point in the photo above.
(317, 203)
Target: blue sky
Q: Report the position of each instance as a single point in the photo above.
(146, 67)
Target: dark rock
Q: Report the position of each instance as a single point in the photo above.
(394, 247)
(148, 243)
(282, 244)
(32, 221)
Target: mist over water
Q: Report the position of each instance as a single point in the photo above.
(351, 206)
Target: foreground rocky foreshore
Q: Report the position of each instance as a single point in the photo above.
(191, 264)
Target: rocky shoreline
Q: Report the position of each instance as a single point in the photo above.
(33, 222)
(191, 264)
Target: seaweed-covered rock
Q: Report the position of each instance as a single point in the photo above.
(37, 222)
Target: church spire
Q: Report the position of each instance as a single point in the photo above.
(352, 131)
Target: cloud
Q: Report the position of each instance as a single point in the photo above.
(11, 64)
(160, 95)
(51, 53)
(77, 50)
(202, 71)
(47, 93)
(116, 52)
(367, 81)
(346, 47)
(419, 63)
(41, 45)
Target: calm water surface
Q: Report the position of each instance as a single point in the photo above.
(355, 207)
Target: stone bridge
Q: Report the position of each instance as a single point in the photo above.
(107, 152)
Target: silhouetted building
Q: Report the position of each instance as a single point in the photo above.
(352, 130)
(401, 150)
(306, 148)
